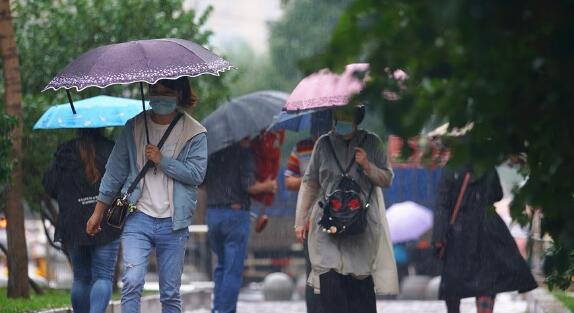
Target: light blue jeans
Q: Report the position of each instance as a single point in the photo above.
(141, 234)
(228, 236)
(93, 268)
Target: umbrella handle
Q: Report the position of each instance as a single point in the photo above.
(144, 112)
(70, 100)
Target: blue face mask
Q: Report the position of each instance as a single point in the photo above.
(344, 128)
(163, 105)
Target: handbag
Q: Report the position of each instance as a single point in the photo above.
(454, 213)
(345, 208)
(120, 207)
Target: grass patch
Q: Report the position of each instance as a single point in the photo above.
(566, 299)
(51, 299)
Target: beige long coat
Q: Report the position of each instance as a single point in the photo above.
(370, 253)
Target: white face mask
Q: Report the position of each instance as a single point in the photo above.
(163, 105)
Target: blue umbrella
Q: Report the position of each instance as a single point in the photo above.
(95, 112)
(302, 121)
(294, 121)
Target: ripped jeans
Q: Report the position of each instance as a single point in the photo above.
(141, 234)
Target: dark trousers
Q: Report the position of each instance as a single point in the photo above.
(312, 299)
(346, 294)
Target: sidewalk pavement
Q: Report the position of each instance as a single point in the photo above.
(505, 303)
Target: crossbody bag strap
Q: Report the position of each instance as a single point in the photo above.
(150, 164)
(459, 198)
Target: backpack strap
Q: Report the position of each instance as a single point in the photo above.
(351, 162)
(346, 171)
(332, 148)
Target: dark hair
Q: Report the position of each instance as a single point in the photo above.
(358, 112)
(87, 150)
(188, 97)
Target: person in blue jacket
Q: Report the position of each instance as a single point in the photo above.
(165, 198)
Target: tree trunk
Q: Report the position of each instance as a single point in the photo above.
(18, 258)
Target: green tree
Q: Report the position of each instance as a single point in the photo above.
(50, 34)
(251, 76)
(303, 31)
(505, 66)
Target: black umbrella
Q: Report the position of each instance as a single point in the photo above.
(241, 117)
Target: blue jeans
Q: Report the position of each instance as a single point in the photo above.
(93, 268)
(228, 236)
(141, 234)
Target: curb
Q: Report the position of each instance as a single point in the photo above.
(196, 299)
(541, 300)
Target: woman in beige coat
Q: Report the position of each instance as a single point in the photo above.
(348, 270)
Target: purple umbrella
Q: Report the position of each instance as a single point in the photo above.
(408, 221)
(138, 61)
(143, 61)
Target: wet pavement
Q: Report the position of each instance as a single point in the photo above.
(505, 303)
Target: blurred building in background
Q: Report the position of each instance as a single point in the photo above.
(234, 22)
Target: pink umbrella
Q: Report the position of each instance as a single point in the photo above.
(327, 89)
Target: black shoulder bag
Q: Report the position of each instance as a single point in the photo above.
(120, 207)
(345, 208)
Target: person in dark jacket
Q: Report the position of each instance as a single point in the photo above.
(230, 182)
(73, 179)
(481, 258)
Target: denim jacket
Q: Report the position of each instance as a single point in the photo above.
(187, 171)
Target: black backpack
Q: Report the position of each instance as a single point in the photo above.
(345, 207)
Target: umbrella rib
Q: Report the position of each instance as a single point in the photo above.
(210, 68)
(140, 47)
(95, 63)
(214, 72)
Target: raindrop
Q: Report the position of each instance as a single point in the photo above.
(439, 42)
(427, 85)
(537, 63)
(404, 23)
(459, 50)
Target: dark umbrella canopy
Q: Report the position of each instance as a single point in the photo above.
(138, 61)
(241, 117)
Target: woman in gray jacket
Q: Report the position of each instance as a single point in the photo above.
(347, 269)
